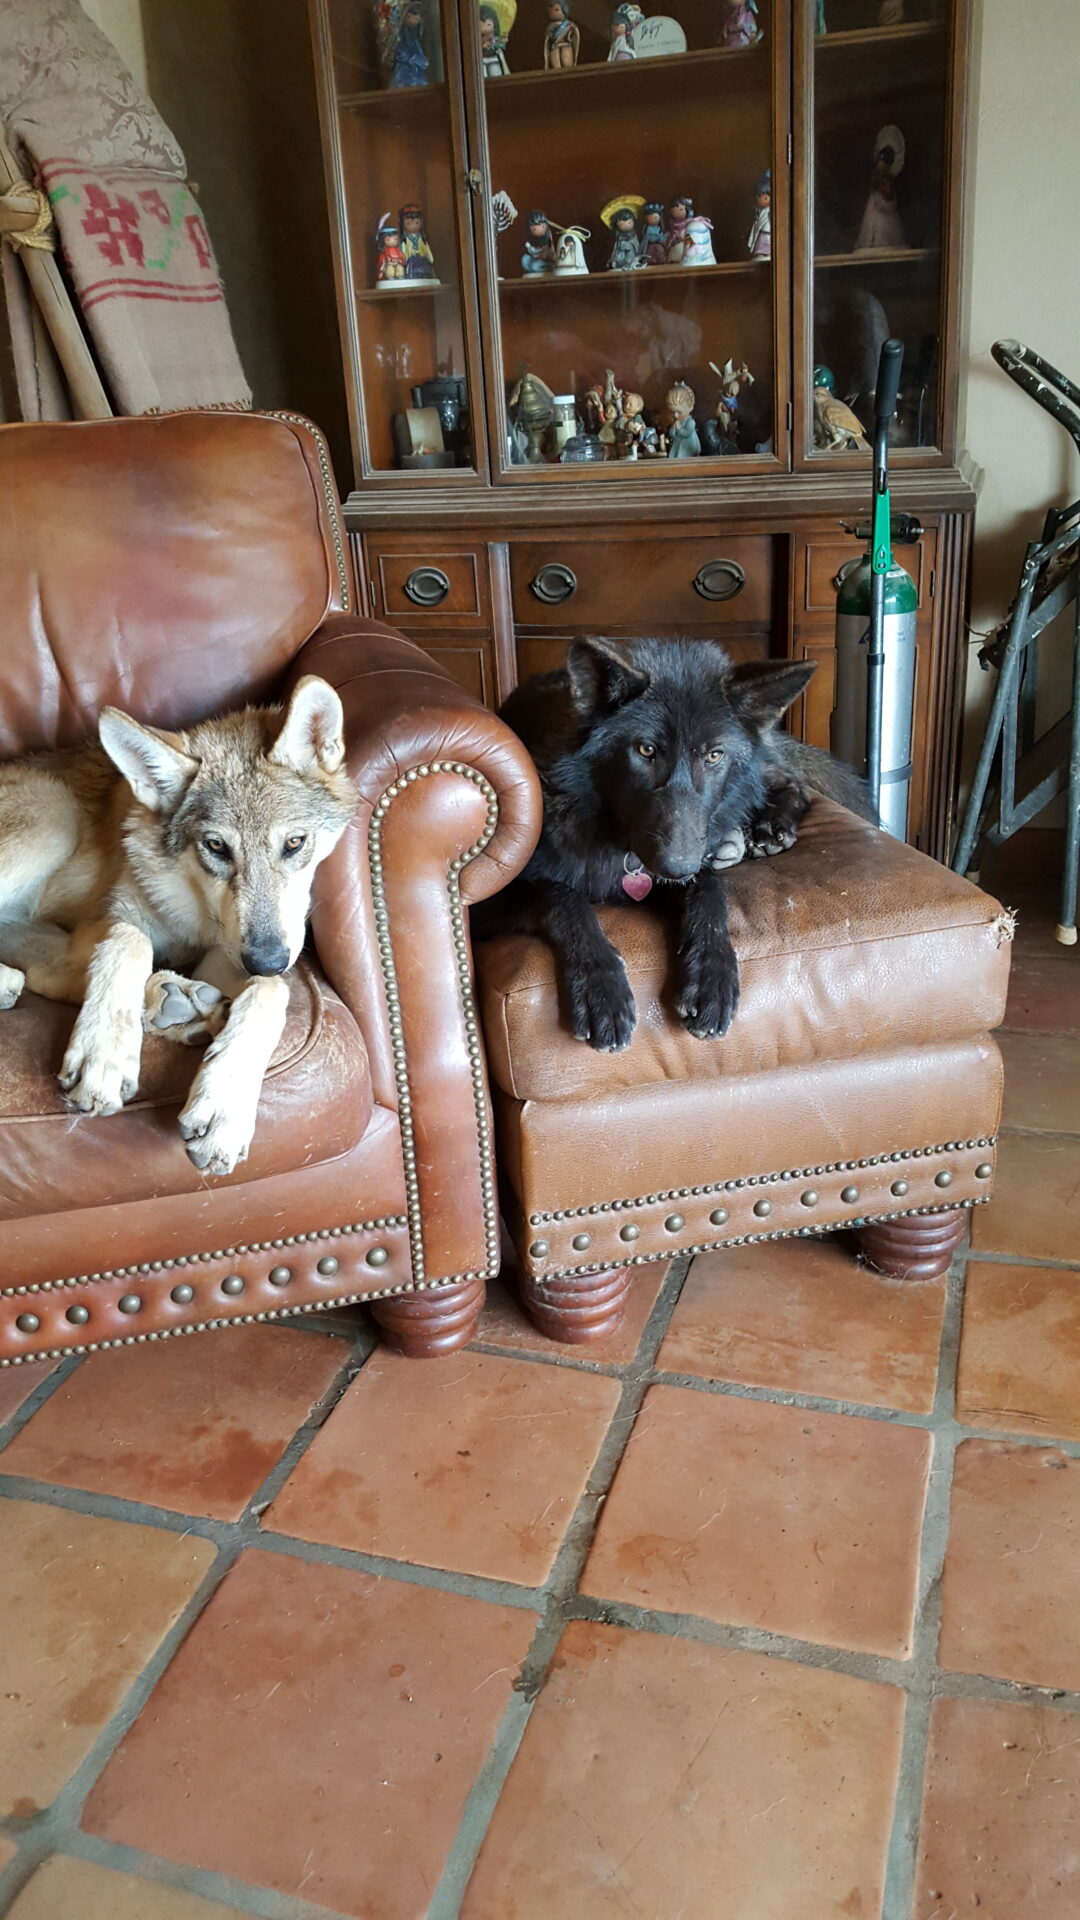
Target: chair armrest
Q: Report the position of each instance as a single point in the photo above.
(449, 812)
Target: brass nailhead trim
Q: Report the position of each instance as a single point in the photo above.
(719, 1217)
(629, 1233)
(810, 1198)
(674, 1223)
(78, 1316)
(224, 1253)
(393, 1004)
(762, 1208)
(769, 1179)
(849, 1195)
(330, 496)
(279, 1276)
(130, 1303)
(28, 1323)
(983, 1171)
(377, 1257)
(233, 1283)
(943, 1179)
(183, 1294)
(580, 1241)
(538, 1249)
(327, 1264)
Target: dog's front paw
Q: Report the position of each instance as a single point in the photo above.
(189, 1011)
(776, 827)
(729, 852)
(12, 982)
(601, 1006)
(217, 1123)
(708, 990)
(101, 1077)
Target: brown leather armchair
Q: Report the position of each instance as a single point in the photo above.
(180, 566)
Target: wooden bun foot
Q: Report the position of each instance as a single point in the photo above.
(577, 1307)
(439, 1320)
(917, 1247)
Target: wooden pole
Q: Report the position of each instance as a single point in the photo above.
(21, 212)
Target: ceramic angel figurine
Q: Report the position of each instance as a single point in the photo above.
(698, 247)
(683, 441)
(390, 266)
(411, 66)
(654, 240)
(562, 41)
(570, 251)
(739, 24)
(881, 225)
(419, 259)
(539, 254)
(620, 216)
(759, 244)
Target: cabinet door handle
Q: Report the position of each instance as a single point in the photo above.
(427, 586)
(554, 583)
(719, 580)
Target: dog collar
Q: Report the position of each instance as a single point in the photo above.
(635, 881)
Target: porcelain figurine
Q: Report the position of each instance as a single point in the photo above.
(390, 266)
(682, 440)
(562, 41)
(732, 380)
(658, 38)
(492, 46)
(419, 259)
(532, 408)
(759, 245)
(679, 215)
(739, 24)
(570, 251)
(411, 66)
(636, 440)
(539, 254)
(836, 428)
(881, 225)
(621, 217)
(654, 240)
(698, 249)
(621, 31)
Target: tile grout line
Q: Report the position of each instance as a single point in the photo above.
(559, 1595)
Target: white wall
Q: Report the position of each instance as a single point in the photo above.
(1023, 282)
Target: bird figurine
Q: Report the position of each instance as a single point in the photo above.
(835, 426)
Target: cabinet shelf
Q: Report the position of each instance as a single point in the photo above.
(608, 71)
(877, 257)
(878, 36)
(642, 277)
(404, 290)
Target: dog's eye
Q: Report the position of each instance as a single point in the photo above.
(216, 846)
(714, 756)
(646, 749)
(294, 842)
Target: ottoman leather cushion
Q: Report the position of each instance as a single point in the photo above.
(851, 942)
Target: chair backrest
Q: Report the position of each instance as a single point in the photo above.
(171, 565)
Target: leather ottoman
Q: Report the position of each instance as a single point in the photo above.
(858, 1086)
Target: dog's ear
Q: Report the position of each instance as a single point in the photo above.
(601, 678)
(762, 690)
(154, 764)
(312, 737)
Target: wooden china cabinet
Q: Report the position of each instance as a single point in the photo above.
(494, 563)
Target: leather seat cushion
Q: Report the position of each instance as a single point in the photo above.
(851, 942)
(316, 1105)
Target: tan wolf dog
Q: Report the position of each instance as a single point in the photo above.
(157, 851)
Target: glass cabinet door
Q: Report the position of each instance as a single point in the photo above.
(636, 232)
(405, 241)
(876, 133)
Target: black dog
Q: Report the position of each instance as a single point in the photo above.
(660, 762)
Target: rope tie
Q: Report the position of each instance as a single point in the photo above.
(26, 218)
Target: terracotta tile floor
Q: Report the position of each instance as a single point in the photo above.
(766, 1609)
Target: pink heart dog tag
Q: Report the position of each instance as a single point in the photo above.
(637, 884)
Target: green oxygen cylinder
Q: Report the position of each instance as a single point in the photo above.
(876, 608)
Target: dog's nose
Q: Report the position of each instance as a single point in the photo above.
(265, 957)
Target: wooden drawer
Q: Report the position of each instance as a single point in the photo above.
(821, 557)
(409, 587)
(543, 653)
(647, 584)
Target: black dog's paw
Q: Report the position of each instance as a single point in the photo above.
(708, 990)
(776, 827)
(601, 1006)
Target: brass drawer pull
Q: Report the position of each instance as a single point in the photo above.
(719, 580)
(427, 586)
(554, 583)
